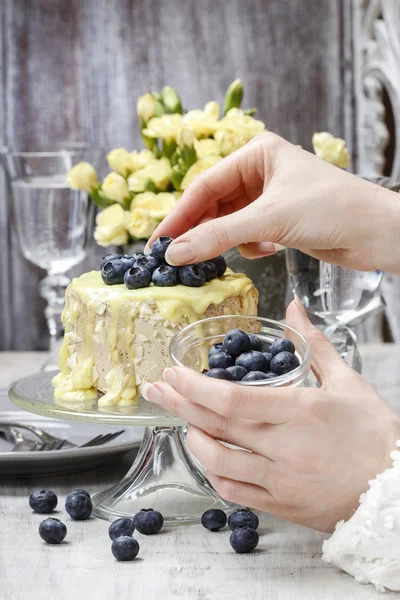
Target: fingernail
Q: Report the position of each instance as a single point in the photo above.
(170, 377)
(147, 249)
(278, 247)
(180, 254)
(151, 393)
(267, 247)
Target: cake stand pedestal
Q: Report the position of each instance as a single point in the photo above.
(164, 475)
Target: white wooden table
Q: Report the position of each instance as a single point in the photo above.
(184, 562)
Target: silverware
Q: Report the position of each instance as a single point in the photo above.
(48, 441)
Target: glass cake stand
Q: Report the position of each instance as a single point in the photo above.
(164, 475)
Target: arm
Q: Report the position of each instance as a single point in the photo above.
(272, 192)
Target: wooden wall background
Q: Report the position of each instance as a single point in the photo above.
(72, 70)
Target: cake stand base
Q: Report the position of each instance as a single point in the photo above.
(165, 477)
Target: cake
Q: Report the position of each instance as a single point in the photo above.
(117, 338)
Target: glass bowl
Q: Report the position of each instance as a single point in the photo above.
(190, 346)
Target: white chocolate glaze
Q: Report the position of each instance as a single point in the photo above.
(115, 338)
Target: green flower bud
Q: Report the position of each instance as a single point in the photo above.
(171, 100)
(250, 111)
(176, 177)
(234, 96)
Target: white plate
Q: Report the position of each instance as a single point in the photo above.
(27, 464)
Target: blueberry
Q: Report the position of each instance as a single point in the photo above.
(121, 527)
(256, 343)
(244, 539)
(130, 260)
(268, 357)
(52, 531)
(43, 501)
(78, 506)
(135, 256)
(258, 375)
(215, 348)
(125, 548)
(237, 372)
(147, 262)
(213, 519)
(220, 374)
(136, 278)
(78, 491)
(253, 361)
(243, 517)
(109, 257)
(221, 360)
(113, 271)
(192, 275)
(210, 269)
(284, 362)
(237, 342)
(148, 521)
(220, 263)
(165, 276)
(159, 247)
(282, 345)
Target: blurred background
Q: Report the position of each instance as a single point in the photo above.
(71, 72)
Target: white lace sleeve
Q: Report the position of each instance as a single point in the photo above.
(368, 545)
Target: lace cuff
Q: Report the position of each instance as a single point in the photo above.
(368, 545)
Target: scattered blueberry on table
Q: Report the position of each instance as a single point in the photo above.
(148, 521)
(214, 519)
(243, 517)
(80, 491)
(43, 501)
(125, 548)
(245, 357)
(52, 531)
(244, 539)
(124, 268)
(121, 527)
(78, 506)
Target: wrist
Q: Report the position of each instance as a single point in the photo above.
(385, 227)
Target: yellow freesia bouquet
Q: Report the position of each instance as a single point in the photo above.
(144, 186)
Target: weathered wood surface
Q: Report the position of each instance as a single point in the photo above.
(72, 71)
(185, 562)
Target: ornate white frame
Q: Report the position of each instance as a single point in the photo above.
(376, 44)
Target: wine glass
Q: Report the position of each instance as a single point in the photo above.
(341, 297)
(54, 225)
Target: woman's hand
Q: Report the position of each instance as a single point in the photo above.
(272, 192)
(312, 451)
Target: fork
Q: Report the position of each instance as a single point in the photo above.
(48, 441)
(54, 443)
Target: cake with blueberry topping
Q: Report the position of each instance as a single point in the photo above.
(119, 321)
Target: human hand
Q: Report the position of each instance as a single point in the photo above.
(272, 192)
(312, 451)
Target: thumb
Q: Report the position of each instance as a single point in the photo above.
(214, 237)
(326, 362)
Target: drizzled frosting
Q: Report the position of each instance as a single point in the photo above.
(110, 331)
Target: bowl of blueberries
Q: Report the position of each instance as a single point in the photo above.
(250, 351)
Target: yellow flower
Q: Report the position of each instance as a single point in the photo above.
(82, 177)
(331, 149)
(229, 141)
(110, 227)
(203, 122)
(157, 206)
(166, 127)
(201, 165)
(115, 187)
(139, 223)
(158, 171)
(119, 160)
(146, 107)
(245, 126)
(140, 160)
(185, 137)
(206, 147)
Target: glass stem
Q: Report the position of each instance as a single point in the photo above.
(52, 289)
